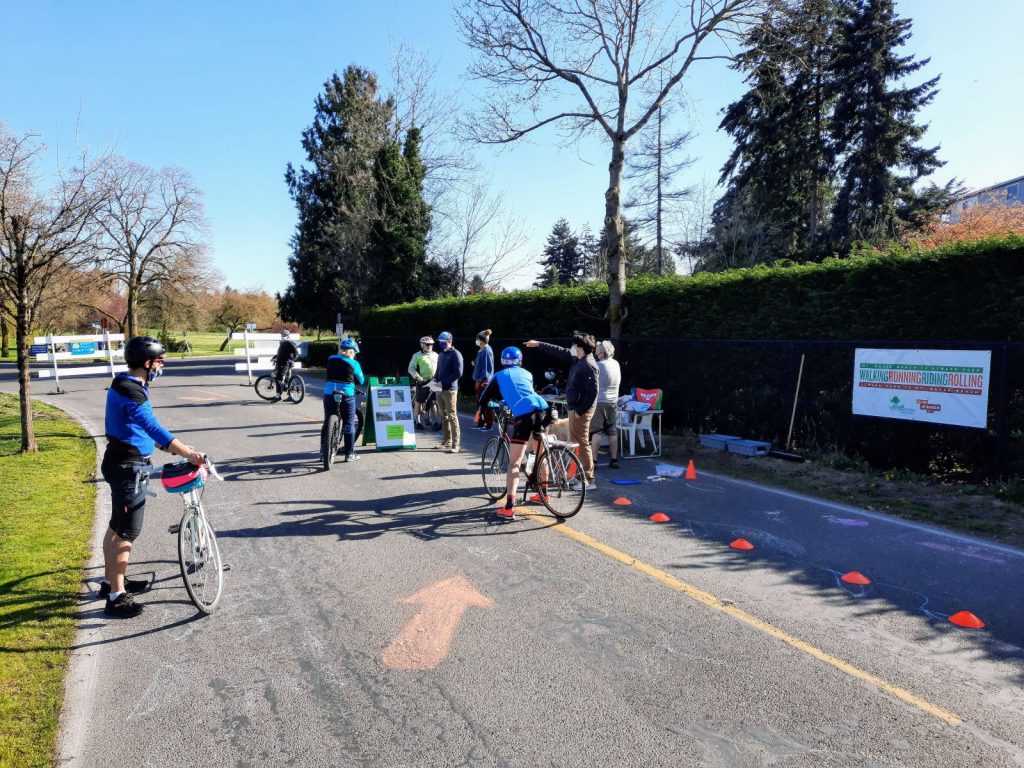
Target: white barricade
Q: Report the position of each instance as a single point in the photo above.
(81, 347)
(258, 350)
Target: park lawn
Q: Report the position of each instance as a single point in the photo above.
(48, 502)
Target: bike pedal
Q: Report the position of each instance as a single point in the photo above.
(226, 567)
(174, 528)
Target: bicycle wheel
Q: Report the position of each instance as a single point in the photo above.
(329, 443)
(567, 487)
(434, 416)
(494, 467)
(201, 566)
(266, 387)
(296, 389)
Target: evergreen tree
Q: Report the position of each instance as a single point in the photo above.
(874, 127)
(563, 262)
(595, 266)
(363, 222)
(640, 259)
(781, 169)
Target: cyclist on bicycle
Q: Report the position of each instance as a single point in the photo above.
(287, 351)
(343, 371)
(531, 415)
(132, 433)
(422, 368)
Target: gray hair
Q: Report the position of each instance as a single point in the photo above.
(607, 348)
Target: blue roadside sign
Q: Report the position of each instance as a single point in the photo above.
(38, 349)
(83, 347)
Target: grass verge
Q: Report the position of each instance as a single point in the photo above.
(48, 502)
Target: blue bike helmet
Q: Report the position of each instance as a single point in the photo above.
(511, 356)
(349, 344)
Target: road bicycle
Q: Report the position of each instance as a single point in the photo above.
(202, 568)
(430, 413)
(551, 476)
(331, 439)
(290, 385)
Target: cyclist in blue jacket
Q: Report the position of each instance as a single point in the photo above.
(132, 433)
(531, 415)
(343, 372)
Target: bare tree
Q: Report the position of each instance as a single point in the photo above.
(485, 238)
(153, 229)
(42, 235)
(602, 53)
(236, 308)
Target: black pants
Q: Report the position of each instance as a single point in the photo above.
(127, 497)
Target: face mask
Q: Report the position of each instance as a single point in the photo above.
(154, 373)
(442, 345)
(573, 350)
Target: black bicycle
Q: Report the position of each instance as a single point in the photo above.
(290, 385)
(430, 413)
(331, 441)
(554, 474)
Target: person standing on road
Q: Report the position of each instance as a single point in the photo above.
(449, 371)
(421, 369)
(580, 392)
(132, 432)
(606, 415)
(342, 374)
(483, 372)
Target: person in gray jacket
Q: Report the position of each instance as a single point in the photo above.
(580, 392)
(606, 417)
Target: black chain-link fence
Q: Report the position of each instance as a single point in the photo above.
(747, 388)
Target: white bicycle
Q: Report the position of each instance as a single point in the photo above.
(202, 568)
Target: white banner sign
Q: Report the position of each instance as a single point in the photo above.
(940, 386)
(392, 409)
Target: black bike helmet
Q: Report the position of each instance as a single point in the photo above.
(140, 349)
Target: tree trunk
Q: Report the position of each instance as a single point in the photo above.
(613, 239)
(132, 297)
(28, 434)
(5, 338)
(224, 345)
(658, 222)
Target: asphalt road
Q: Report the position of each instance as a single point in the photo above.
(381, 615)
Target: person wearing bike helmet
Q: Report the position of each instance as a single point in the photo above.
(422, 367)
(531, 415)
(448, 373)
(287, 352)
(343, 373)
(132, 432)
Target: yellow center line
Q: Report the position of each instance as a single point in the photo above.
(713, 602)
(315, 421)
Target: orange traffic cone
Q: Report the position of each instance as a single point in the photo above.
(856, 577)
(659, 517)
(966, 619)
(741, 544)
(622, 501)
(691, 471)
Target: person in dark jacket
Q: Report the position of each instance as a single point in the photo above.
(133, 432)
(580, 392)
(447, 375)
(342, 374)
(287, 351)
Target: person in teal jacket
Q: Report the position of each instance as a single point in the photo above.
(343, 372)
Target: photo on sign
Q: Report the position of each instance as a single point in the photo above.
(384, 398)
(384, 416)
(403, 415)
(399, 395)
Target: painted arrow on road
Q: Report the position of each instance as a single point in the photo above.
(425, 641)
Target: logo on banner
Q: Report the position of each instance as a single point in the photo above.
(898, 407)
(929, 407)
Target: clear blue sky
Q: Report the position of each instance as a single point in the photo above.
(224, 89)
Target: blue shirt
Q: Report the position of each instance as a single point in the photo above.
(131, 426)
(483, 368)
(342, 372)
(515, 386)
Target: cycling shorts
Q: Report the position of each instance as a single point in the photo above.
(526, 426)
(422, 393)
(127, 498)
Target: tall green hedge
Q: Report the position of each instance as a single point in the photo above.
(962, 291)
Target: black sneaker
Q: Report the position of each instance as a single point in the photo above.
(135, 586)
(614, 463)
(124, 607)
